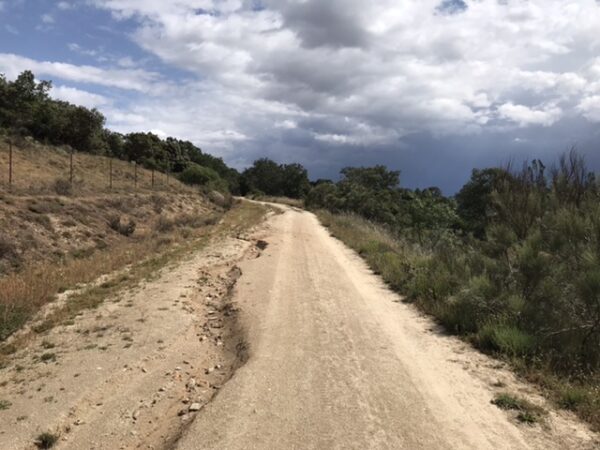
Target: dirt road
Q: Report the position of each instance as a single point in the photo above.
(322, 354)
(336, 361)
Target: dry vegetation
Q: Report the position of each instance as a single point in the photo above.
(40, 169)
(53, 241)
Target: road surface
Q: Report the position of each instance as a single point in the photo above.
(337, 361)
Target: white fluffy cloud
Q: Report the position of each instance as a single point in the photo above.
(79, 97)
(131, 79)
(525, 116)
(590, 108)
(392, 68)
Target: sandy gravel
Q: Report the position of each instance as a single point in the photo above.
(336, 361)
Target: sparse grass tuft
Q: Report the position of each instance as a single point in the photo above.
(527, 411)
(507, 401)
(528, 417)
(48, 357)
(46, 440)
(47, 344)
(124, 228)
(572, 397)
(5, 404)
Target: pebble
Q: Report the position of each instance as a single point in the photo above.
(195, 407)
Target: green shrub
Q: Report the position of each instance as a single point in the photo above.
(507, 401)
(464, 312)
(200, 176)
(507, 339)
(573, 397)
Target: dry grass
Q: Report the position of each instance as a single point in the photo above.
(23, 294)
(526, 412)
(39, 169)
(294, 202)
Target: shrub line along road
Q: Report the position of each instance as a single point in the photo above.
(336, 361)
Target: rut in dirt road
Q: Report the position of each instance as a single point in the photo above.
(337, 362)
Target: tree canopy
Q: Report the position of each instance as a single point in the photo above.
(27, 109)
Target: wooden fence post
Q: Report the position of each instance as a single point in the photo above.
(10, 165)
(71, 168)
(110, 172)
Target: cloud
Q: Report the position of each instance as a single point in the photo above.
(47, 19)
(79, 97)
(398, 66)
(525, 116)
(590, 108)
(129, 79)
(82, 51)
(64, 6)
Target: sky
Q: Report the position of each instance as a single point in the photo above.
(432, 88)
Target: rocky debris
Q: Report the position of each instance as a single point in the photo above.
(195, 407)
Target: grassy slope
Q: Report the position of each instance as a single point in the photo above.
(37, 167)
(394, 260)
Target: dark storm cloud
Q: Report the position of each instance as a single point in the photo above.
(332, 23)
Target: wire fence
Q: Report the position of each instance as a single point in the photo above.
(28, 167)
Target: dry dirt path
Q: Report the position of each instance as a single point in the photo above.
(336, 361)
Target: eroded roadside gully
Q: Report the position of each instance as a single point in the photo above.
(133, 372)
